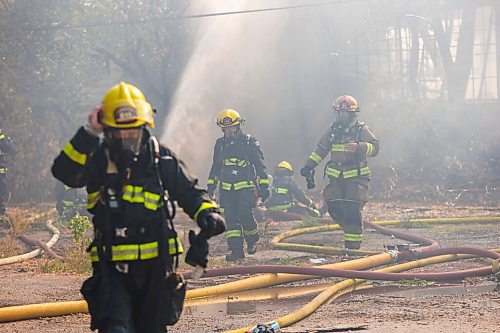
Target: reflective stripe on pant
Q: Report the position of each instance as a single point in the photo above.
(238, 211)
(348, 215)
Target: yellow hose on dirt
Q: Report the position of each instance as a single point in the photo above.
(277, 243)
(40, 310)
(267, 280)
(259, 295)
(34, 253)
(57, 309)
(32, 311)
(348, 285)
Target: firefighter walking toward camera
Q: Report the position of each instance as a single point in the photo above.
(349, 142)
(70, 202)
(286, 196)
(238, 169)
(128, 174)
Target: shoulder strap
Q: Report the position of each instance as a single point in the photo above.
(154, 146)
(334, 128)
(168, 209)
(359, 129)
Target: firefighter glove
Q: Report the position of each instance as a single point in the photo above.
(211, 189)
(306, 171)
(264, 192)
(211, 223)
(197, 254)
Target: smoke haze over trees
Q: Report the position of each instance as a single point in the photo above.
(424, 72)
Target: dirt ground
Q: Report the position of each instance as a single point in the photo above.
(472, 305)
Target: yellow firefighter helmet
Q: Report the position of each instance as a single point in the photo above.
(285, 165)
(125, 106)
(228, 118)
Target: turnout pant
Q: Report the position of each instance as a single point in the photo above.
(345, 199)
(240, 220)
(134, 299)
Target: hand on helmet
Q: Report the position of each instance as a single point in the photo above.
(197, 254)
(211, 224)
(93, 124)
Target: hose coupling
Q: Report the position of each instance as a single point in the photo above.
(394, 255)
(417, 254)
(272, 327)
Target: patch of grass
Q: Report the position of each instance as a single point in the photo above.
(307, 222)
(19, 221)
(288, 261)
(76, 259)
(9, 246)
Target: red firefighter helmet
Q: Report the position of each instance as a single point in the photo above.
(346, 103)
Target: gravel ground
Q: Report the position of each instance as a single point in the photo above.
(472, 305)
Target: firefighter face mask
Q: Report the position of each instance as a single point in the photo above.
(346, 118)
(124, 143)
(231, 131)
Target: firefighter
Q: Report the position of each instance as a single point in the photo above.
(350, 142)
(70, 202)
(127, 176)
(238, 169)
(6, 148)
(286, 196)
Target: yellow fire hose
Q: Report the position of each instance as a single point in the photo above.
(259, 295)
(348, 285)
(63, 308)
(277, 243)
(31, 311)
(34, 253)
(268, 280)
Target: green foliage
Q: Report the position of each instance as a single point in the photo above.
(80, 226)
(307, 222)
(75, 258)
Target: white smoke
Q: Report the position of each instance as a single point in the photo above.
(227, 68)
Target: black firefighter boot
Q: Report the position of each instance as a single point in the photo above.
(251, 238)
(235, 245)
(252, 248)
(235, 255)
(351, 245)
